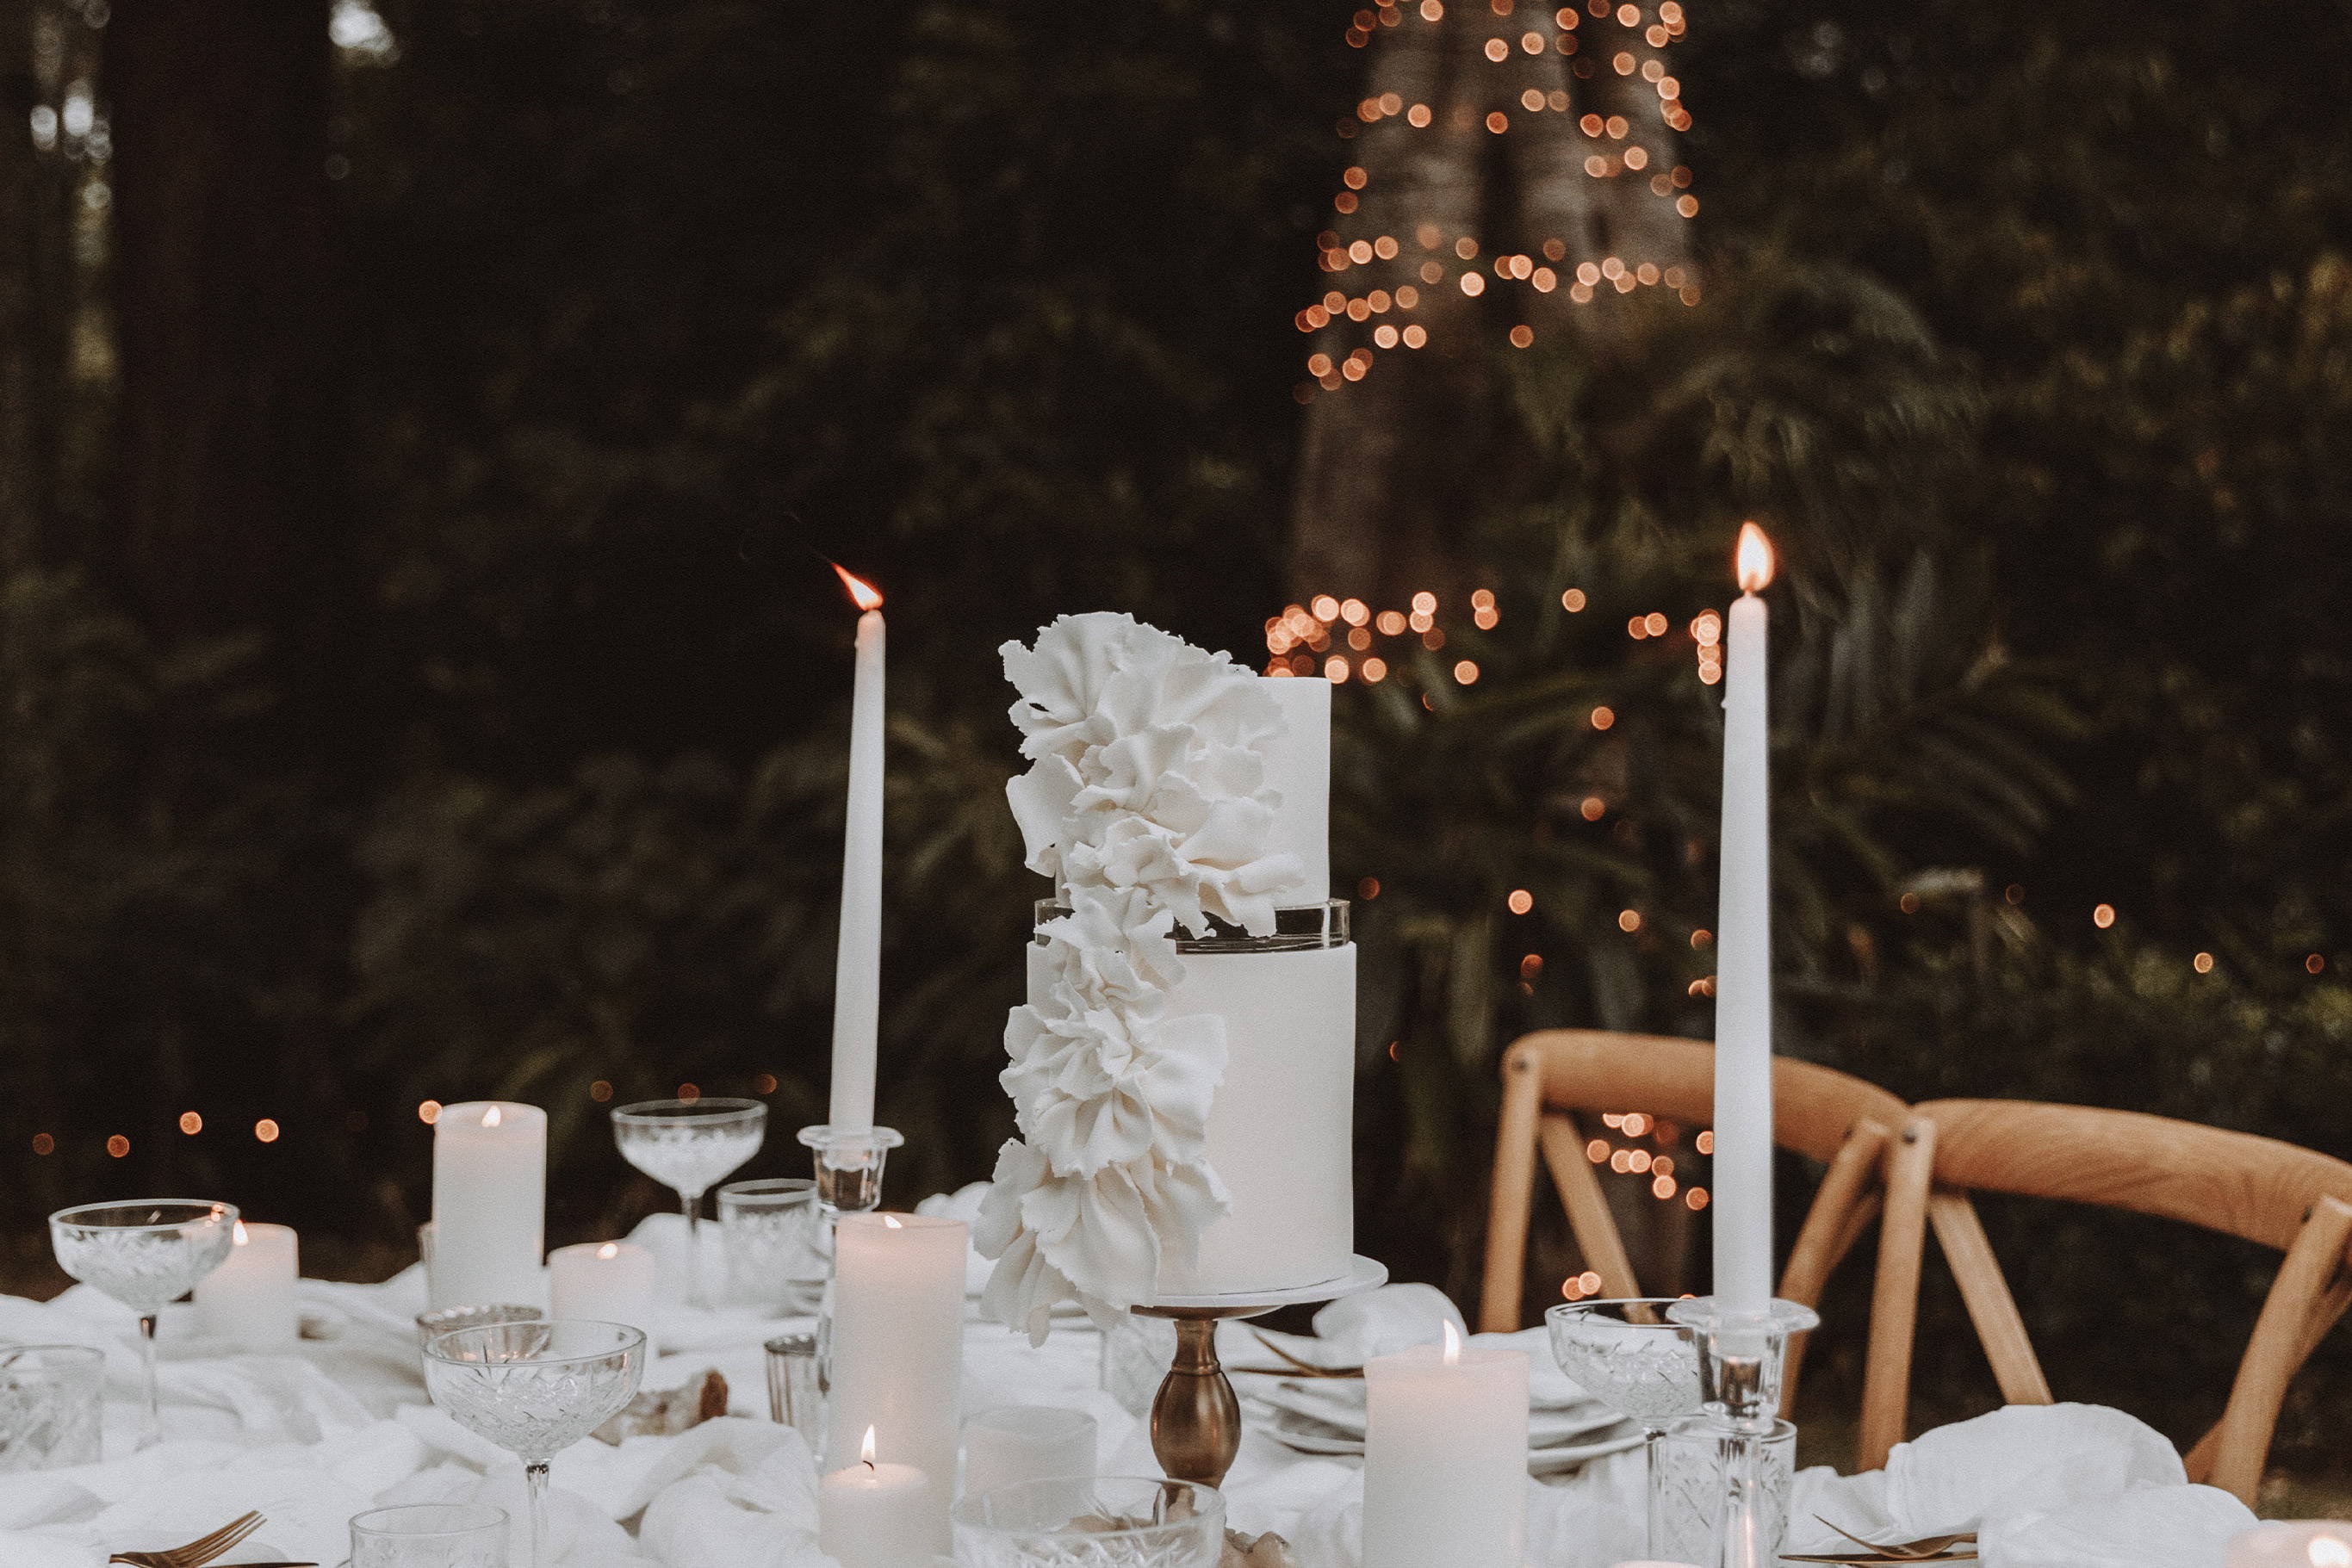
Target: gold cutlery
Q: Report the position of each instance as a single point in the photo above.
(197, 1552)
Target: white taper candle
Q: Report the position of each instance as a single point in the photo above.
(857, 963)
(1743, 977)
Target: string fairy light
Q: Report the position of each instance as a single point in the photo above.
(1538, 61)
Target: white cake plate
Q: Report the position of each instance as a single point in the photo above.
(1196, 1422)
(1363, 1274)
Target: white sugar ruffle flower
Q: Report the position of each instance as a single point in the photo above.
(1146, 772)
(1109, 1230)
(1099, 1086)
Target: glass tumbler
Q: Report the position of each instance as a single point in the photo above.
(771, 1256)
(1102, 1521)
(430, 1535)
(50, 1396)
(1687, 1487)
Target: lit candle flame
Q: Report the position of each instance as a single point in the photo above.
(865, 1449)
(240, 1236)
(610, 1250)
(892, 1221)
(1453, 1345)
(1755, 557)
(865, 594)
(2328, 1553)
(491, 1118)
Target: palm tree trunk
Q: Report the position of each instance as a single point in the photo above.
(1497, 153)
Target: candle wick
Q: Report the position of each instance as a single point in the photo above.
(867, 1463)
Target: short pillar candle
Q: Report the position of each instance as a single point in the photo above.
(1445, 1457)
(605, 1282)
(250, 1299)
(897, 1349)
(872, 1513)
(489, 1205)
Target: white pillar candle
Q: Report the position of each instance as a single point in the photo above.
(2295, 1543)
(605, 1282)
(250, 1299)
(1445, 1457)
(1743, 978)
(1018, 1443)
(490, 1201)
(871, 1515)
(857, 963)
(897, 1347)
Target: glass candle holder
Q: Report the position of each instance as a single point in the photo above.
(1016, 1443)
(1103, 1521)
(1743, 1358)
(50, 1399)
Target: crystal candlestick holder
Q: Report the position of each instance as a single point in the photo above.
(849, 1162)
(1741, 1360)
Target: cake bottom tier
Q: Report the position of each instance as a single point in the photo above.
(1282, 1130)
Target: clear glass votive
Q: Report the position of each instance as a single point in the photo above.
(1099, 1521)
(771, 1258)
(1136, 1354)
(796, 1387)
(1686, 1471)
(1016, 1443)
(50, 1396)
(430, 1535)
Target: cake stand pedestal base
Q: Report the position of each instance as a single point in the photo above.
(1196, 1420)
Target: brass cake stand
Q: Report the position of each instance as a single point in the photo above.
(1196, 1421)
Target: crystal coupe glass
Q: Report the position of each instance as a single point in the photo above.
(1626, 1354)
(535, 1389)
(688, 1144)
(144, 1254)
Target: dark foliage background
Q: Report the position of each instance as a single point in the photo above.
(2028, 328)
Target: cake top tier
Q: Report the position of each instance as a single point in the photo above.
(1159, 767)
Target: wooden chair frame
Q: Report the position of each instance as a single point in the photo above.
(2290, 1198)
(1842, 1121)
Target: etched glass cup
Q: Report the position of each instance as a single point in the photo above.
(689, 1146)
(1626, 1354)
(50, 1396)
(535, 1389)
(430, 1535)
(771, 1256)
(1687, 1490)
(144, 1254)
(1103, 1521)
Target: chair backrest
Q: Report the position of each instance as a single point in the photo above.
(1815, 1108)
(1861, 1132)
(2240, 1185)
(2293, 1199)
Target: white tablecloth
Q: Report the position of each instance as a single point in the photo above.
(343, 1424)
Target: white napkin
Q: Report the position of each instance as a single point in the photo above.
(1386, 1320)
(2152, 1527)
(2038, 1482)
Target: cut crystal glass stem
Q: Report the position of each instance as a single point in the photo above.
(151, 1417)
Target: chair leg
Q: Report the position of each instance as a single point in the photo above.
(2277, 1347)
(1514, 1193)
(1817, 1252)
(2001, 1328)
(1588, 1207)
(1894, 1300)
(2324, 1315)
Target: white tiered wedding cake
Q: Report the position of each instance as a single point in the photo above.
(1183, 1069)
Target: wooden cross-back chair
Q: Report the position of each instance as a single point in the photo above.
(1859, 1131)
(2280, 1196)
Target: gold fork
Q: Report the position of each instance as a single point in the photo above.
(197, 1552)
